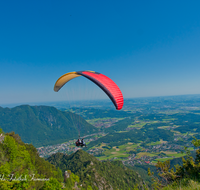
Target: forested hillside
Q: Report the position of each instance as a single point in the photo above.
(43, 125)
(97, 174)
(22, 168)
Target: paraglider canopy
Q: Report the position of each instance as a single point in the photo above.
(105, 83)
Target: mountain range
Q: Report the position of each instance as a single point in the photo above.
(43, 125)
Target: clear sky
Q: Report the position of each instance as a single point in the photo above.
(149, 48)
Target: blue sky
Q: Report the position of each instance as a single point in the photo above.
(149, 48)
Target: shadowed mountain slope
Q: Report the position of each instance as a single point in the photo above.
(43, 125)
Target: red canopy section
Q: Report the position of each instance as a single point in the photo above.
(107, 85)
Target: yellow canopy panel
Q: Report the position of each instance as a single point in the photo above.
(64, 79)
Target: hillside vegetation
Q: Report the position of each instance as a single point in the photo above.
(22, 168)
(98, 175)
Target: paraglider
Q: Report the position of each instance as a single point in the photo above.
(80, 143)
(105, 83)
